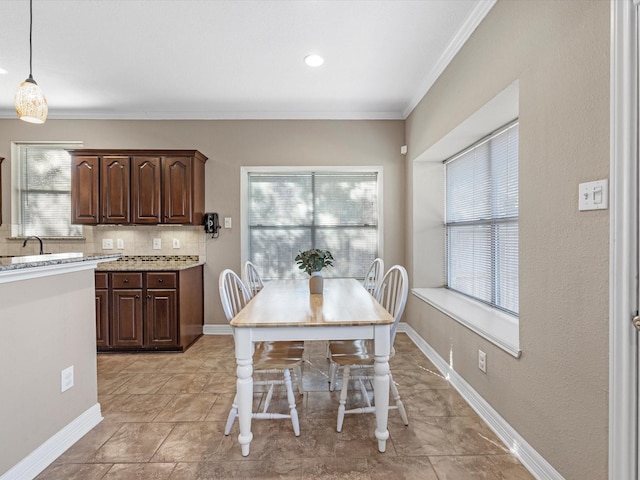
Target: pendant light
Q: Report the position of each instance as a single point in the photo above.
(30, 103)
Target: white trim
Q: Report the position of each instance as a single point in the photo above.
(244, 185)
(221, 115)
(470, 24)
(623, 287)
(217, 329)
(497, 327)
(519, 447)
(45, 454)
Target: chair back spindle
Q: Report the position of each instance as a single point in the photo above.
(233, 294)
(373, 276)
(392, 294)
(251, 278)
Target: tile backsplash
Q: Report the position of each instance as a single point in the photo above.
(136, 240)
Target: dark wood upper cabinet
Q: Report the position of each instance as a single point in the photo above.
(177, 190)
(85, 181)
(145, 188)
(115, 189)
(137, 186)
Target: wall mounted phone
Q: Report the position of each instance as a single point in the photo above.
(211, 224)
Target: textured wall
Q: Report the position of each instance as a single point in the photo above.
(47, 325)
(556, 394)
(229, 146)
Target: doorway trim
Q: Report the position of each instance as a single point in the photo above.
(623, 256)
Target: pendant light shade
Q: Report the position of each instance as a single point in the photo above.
(31, 105)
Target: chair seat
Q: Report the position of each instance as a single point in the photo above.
(353, 352)
(268, 355)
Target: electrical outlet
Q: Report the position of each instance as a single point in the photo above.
(482, 361)
(176, 243)
(120, 243)
(66, 379)
(157, 244)
(107, 243)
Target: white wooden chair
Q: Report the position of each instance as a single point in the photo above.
(268, 358)
(251, 278)
(373, 276)
(371, 282)
(359, 354)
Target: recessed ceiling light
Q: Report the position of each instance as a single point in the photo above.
(3, 71)
(313, 60)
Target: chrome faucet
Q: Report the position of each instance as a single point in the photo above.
(24, 244)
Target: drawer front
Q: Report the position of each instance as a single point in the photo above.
(102, 280)
(161, 280)
(127, 280)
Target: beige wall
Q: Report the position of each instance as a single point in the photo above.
(556, 394)
(47, 325)
(229, 146)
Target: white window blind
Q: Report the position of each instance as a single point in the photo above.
(482, 220)
(289, 212)
(43, 191)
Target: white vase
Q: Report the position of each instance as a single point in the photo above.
(316, 283)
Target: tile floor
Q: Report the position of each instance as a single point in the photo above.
(164, 417)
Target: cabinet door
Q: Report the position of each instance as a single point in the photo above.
(114, 189)
(85, 176)
(161, 323)
(102, 317)
(178, 193)
(145, 189)
(126, 321)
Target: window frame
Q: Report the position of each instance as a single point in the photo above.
(426, 229)
(491, 222)
(244, 191)
(16, 184)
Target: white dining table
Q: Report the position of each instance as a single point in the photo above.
(285, 310)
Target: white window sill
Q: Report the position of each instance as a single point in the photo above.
(497, 327)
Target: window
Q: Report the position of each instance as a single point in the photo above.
(292, 211)
(42, 190)
(482, 220)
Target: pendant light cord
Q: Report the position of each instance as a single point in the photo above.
(30, 43)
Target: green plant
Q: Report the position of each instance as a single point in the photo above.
(314, 260)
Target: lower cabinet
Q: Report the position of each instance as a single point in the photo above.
(148, 310)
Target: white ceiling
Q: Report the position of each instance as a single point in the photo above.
(228, 59)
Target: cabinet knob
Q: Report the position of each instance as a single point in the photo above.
(160, 280)
(137, 296)
(148, 296)
(126, 280)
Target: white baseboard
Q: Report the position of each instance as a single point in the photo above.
(45, 454)
(215, 329)
(528, 456)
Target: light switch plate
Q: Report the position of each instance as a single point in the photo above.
(176, 243)
(107, 243)
(120, 243)
(227, 222)
(157, 244)
(593, 195)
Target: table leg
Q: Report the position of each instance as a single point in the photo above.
(244, 386)
(381, 383)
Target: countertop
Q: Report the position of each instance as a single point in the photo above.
(47, 260)
(146, 263)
